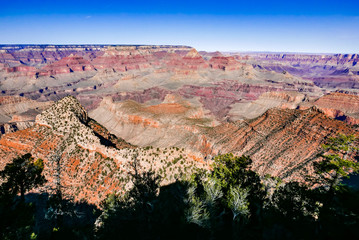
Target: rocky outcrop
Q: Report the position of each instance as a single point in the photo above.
(221, 97)
(172, 123)
(224, 63)
(281, 142)
(92, 162)
(347, 103)
(22, 70)
(68, 64)
(121, 60)
(341, 106)
(209, 55)
(19, 109)
(6, 128)
(278, 99)
(193, 60)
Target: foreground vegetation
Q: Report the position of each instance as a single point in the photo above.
(228, 202)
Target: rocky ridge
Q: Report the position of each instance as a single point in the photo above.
(91, 164)
(281, 141)
(340, 105)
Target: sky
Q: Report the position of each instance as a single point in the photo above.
(273, 26)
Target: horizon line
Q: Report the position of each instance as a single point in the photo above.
(174, 45)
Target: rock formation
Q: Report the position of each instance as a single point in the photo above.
(92, 162)
(340, 106)
(17, 113)
(335, 71)
(282, 142)
(170, 106)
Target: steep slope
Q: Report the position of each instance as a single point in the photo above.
(13, 127)
(89, 162)
(341, 106)
(253, 109)
(173, 122)
(224, 63)
(281, 142)
(18, 113)
(15, 108)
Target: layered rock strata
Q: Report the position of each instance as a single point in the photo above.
(89, 162)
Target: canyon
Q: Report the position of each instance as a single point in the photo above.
(100, 108)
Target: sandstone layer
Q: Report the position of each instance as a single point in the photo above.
(172, 107)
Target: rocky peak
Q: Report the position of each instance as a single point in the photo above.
(68, 118)
(193, 54)
(66, 105)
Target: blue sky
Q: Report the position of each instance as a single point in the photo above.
(293, 26)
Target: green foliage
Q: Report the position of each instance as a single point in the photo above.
(17, 217)
(338, 161)
(238, 203)
(296, 202)
(131, 212)
(226, 200)
(230, 170)
(197, 213)
(22, 174)
(33, 236)
(175, 160)
(145, 188)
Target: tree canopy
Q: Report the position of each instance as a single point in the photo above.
(338, 161)
(21, 175)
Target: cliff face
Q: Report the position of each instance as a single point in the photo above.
(68, 64)
(334, 59)
(18, 110)
(42, 54)
(52, 72)
(347, 103)
(267, 100)
(6, 128)
(344, 107)
(336, 71)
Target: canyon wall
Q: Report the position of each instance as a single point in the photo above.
(170, 107)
